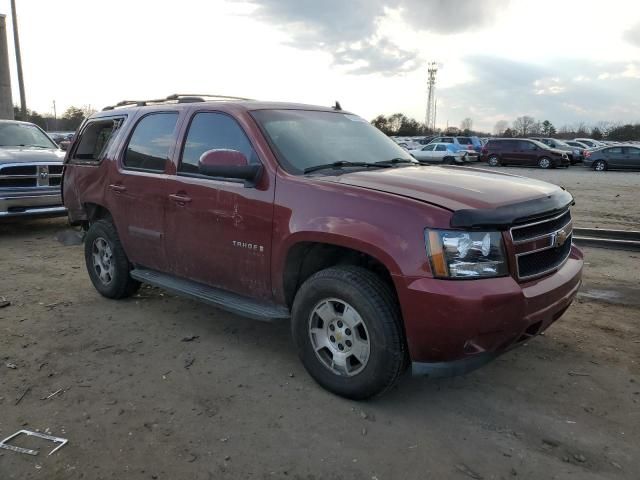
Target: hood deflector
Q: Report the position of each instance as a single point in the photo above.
(507, 215)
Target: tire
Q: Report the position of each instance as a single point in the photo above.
(600, 166)
(448, 161)
(374, 316)
(107, 263)
(493, 161)
(545, 162)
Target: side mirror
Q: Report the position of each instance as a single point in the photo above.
(229, 164)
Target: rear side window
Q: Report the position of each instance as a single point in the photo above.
(213, 131)
(633, 151)
(614, 150)
(94, 140)
(447, 140)
(441, 148)
(151, 142)
(465, 141)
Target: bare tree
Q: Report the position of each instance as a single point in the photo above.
(523, 125)
(466, 125)
(500, 127)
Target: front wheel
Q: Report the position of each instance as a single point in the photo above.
(107, 262)
(493, 161)
(346, 326)
(544, 162)
(600, 166)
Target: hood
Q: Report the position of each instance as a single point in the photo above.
(30, 154)
(464, 189)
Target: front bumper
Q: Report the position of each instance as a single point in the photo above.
(453, 327)
(30, 204)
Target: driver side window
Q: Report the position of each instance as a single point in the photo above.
(213, 131)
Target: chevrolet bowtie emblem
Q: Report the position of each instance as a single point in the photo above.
(560, 238)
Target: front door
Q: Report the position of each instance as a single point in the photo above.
(136, 191)
(632, 157)
(219, 231)
(615, 157)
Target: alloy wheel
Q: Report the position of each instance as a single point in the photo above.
(103, 262)
(339, 337)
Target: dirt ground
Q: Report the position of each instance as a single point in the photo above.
(138, 401)
(603, 199)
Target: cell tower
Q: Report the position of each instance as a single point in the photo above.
(430, 120)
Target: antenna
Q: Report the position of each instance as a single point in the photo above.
(430, 119)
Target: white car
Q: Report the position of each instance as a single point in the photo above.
(440, 153)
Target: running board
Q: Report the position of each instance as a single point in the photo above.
(228, 301)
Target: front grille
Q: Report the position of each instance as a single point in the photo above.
(30, 175)
(544, 227)
(544, 261)
(543, 246)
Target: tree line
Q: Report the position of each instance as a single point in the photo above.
(68, 122)
(400, 125)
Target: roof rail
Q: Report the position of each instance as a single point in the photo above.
(175, 98)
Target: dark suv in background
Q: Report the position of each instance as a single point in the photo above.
(522, 151)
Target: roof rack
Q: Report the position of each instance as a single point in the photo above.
(175, 98)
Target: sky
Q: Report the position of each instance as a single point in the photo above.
(567, 61)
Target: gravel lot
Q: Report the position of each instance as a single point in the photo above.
(603, 199)
(137, 401)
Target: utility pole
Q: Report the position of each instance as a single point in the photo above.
(6, 102)
(55, 116)
(16, 41)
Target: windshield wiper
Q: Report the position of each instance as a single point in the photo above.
(342, 164)
(396, 161)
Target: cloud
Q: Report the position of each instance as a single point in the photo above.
(633, 35)
(511, 89)
(349, 30)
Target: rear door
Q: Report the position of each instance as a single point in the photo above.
(136, 191)
(219, 231)
(440, 152)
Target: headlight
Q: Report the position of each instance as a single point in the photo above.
(456, 254)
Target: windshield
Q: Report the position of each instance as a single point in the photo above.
(540, 144)
(305, 139)
(23, 135)
(562, 144)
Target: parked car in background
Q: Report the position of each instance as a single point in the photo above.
(574, 153)
(441, 153)
(619, 157)
(471, 143)
(590, 142)
(575, 143)
(285, 211)
(456, 144)
(522, 151)
(30, 171)
(62, 139)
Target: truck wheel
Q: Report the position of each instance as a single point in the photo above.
(544, 162)
(107, 263)
(493, 161)
(600, 166)
(346, 326)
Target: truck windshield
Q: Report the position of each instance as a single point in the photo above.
(304, 139)
(23, 135)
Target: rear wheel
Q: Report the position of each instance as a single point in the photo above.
(107, 262)
(600, 166)
(545, 162)
(448, 160)
(346, 326)
(493, 161)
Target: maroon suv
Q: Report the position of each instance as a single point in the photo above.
(283, 211)
(523, 151)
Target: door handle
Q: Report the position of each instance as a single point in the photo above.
(180, 199)
(117, 188)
